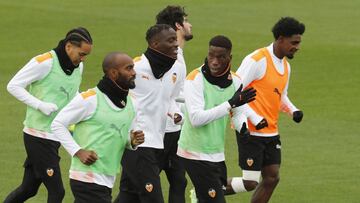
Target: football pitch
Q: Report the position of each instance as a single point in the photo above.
(320, 156)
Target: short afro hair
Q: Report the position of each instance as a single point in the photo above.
(221, 41)
(154, 30)
(287, 26)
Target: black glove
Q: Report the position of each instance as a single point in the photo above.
(262, 124)
(242, 97)
(244, 132)
(297, 116)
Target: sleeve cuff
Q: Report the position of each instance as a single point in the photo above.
(74, 150)
(255, 119)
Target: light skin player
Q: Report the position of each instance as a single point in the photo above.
(53, 79)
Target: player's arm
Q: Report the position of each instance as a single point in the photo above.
(195, 104)
(180, 100)
(36, 69)
(287, 106)
(81, 108)
(174, 110)
(135, 135)
(249, 71)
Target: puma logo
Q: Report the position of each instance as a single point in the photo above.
(62, 89)
(276, 90)
(145, 77)
(113, 126)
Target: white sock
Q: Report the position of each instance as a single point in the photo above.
(237, 185)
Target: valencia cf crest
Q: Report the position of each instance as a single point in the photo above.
(212, 193)
(50, 172)
(145, 77)
(122, 102)
(249, 162)
(149, 187)
(229, 77)
(174, 77)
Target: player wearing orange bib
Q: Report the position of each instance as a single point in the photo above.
(268, 71)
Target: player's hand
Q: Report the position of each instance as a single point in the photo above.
(176, 117)
(137, 138)
(86, 157)
(47, 108)
(297, 116)
(242, 97)
(262, 124)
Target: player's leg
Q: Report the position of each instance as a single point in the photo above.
(148, 178)
(90, 192)
(31, 182)
(270, 171)
(128, 192)
(44, 156)
(28, 188)
(142, 168)
(174, 169)
(51, 178)
(246, 183)
(208, 180)
(251, 155)
(177, 180)
(266, 187)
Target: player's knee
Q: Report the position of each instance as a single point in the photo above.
(56, 196)
(250, 185)
(55, 193)
(61, 193)
(239, 184)
(28, 191)
(272, 180)
(251, 179)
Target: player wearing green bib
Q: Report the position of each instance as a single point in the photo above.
(103, 116)
(211, 93)
(53, 79)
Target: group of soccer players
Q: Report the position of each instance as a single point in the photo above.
(145, 115)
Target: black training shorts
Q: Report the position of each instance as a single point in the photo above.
(255, 152)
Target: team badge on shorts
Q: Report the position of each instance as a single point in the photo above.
(50, 172)
(212, 193)
(249, 162)
(149, 187)
(174, 77)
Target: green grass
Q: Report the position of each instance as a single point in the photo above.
(320, 155)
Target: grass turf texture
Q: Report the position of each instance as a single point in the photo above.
(320, 156)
